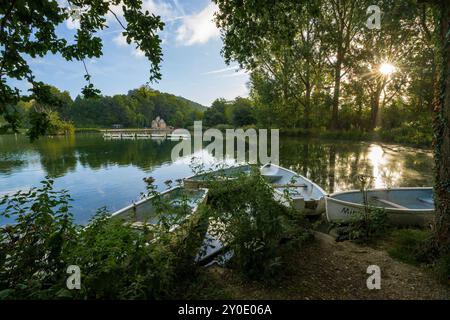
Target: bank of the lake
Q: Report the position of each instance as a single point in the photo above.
(325, 269)
(403, 136)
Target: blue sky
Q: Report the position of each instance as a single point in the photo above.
(192, 66)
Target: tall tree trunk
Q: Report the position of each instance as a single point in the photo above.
(334, 123)
(375, 108)
(332, 168)
(308, 104)
(374, 113)
(442, 135)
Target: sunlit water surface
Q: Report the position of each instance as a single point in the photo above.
(109, 173)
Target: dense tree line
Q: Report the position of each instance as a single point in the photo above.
(315, 64)
(238, 113)
(136, 109)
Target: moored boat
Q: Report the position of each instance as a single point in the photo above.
(202, 180)
(305, 194)
(145, 211)
(403, 206)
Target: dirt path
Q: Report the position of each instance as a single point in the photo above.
(330, 270)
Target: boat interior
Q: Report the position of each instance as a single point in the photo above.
(178, 200)
(395, 198)
(296, 185)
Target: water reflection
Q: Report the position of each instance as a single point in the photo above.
(336, 165)
(109, 172)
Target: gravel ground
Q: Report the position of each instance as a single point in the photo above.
(326, 269)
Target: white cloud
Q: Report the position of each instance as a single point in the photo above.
(159, 8)
(198, 28)
(72, 24)
(138, 53)
(120, 40)
(235, 74)
(117, 10)
(222, 70)
(229, 72)
(156, 7)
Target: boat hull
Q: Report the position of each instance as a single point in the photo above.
(308, 198)
(338, 210)
(142, 212)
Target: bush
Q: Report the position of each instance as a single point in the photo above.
(364, 227)
(116, 261)
(258, 230)
(442, 269)
(406, 243)
(32, 250)
(367, 225)
(58, 126)
(412, 133)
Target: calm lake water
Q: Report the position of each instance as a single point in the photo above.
(109, 173)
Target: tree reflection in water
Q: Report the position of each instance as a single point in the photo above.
(101, 172)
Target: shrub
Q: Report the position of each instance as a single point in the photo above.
(442, 268)
(116, 261)
(32, 250)
(364, 227)
(406, 243)
(258, 230)
(367, 225)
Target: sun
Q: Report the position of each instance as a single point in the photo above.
(386, 69)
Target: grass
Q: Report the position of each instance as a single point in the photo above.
(403, 244)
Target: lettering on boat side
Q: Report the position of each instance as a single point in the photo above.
(374, 280)
(74, 280)
(234, 143)
(348, 211)
(226, 309)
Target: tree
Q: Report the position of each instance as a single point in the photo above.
(216, 113)
(242, 112)
(342, 23)
(28, 29)
(279, 42)
(442, 133)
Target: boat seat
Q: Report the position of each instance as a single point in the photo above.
(289, 185)
(272, 177)
(426, 200)
(389, 203)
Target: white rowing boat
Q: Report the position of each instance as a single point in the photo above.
(202, 180)
(305, 194)
(144, 211)
(404, 206)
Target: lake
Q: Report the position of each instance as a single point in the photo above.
(109, 173)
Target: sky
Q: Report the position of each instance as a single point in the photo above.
(192, 64)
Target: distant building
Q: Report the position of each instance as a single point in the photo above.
(117, 126)
(159, 123)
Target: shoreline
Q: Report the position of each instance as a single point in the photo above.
(300, 133)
